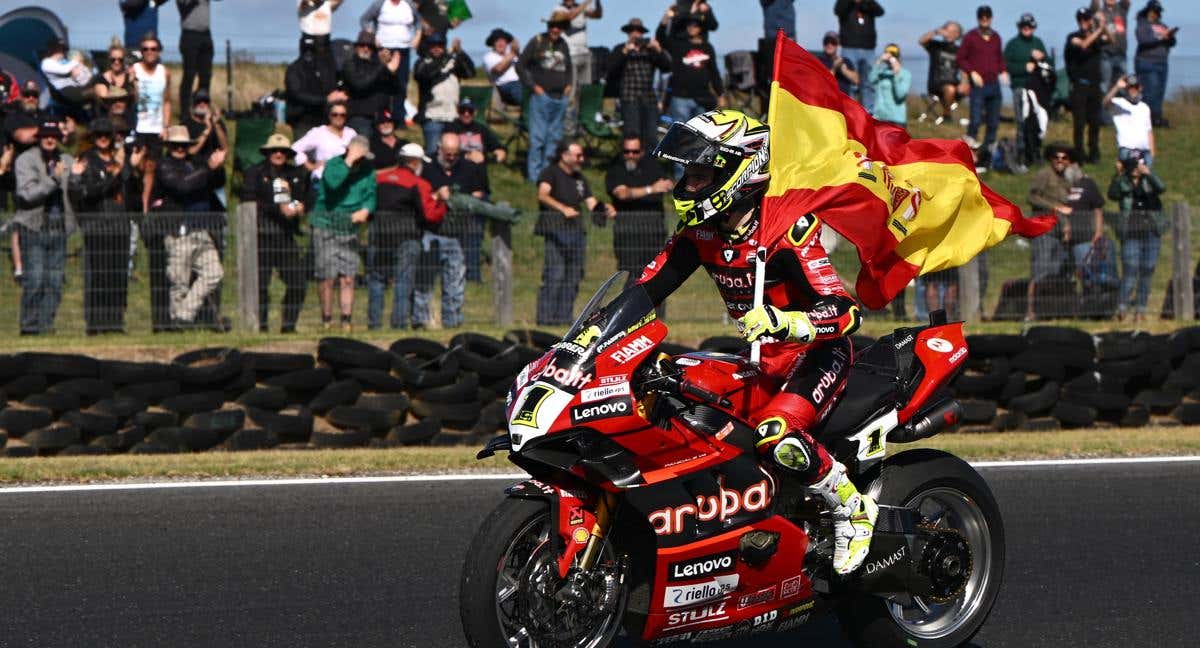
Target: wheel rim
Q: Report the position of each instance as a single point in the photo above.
(948, 508)
(526, 564)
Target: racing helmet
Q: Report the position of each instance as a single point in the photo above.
(735, 146)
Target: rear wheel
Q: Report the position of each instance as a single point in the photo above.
(950, 496)
(511, 595)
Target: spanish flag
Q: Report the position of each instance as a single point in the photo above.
(909, 206)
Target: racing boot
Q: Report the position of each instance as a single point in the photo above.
(853, 518)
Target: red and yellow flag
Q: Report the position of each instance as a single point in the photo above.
(909, 206)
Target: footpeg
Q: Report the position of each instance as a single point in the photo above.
(757, 547)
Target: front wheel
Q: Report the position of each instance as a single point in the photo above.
(511, 595)
(949, 495)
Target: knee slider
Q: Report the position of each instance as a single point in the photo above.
(770, 432)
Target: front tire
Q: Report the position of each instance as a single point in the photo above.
(506, 582)
(946, 489)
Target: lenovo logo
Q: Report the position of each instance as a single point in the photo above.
(703, 566)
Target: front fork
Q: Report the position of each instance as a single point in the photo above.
(604, 509)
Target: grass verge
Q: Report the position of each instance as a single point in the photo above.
(405, 461)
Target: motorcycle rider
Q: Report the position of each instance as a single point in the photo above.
(806, 316)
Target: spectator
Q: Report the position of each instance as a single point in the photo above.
(1131, 120)
(115, 106)
(196, 48)
(311, 85)
(283, 193)
(1083, 67)
(316, 21)
(116, 75)
(779, 14)
(1049, 192)
(369, 78)
(141, 18)
(636, 184)
(562, 190)
(1086, 220)
(185, 186)
(208, 132)
(1155, 41)
(436, 17)
(944, 83)
(345, 198)
(70, 77)
(394, 23)
(477, 140)
(631, 68)
(856, 33)
(1019, 52)
(980, 57)
(407, 206)
(10, 92)
(545, 70)
(1140, 228)
(1037, 97)
(99, 196)
(1114, 17)
(891, 84)
(581, 58)
(438, 74)
(845, 74)
(22, 123)
(500, 64)
(385, 144)
(695, 81)
(684, 11)
(43, 220)
(324, 143)
(442, 243)
(153, 104)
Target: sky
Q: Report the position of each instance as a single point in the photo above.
(269, 27)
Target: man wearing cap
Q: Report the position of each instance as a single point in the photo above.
(891, 82)
(1021, 53)
(438, 75)
(1140, 227)
(385, 144)
(500, 65)
(545, 70)
(100, 195)
(44, 219)
(283, 195)
(21, 123)
(943, 83)
(1131, 120)
(1082, 54)
(310, 84)
(345, 199)
(1154, 43)
(1049, 192)
(477, 140)
(856, 33)
(407, 204)
(183, 188)
(369, 78)
(830, 56)
(980, 57)
(696, 84)
(631, 69)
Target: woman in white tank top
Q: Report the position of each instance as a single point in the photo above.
(153, 106)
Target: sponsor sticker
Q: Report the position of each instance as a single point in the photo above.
(697, 616)
(724, 431)
(765, 618)
(570, 378)
(687, 362)
(703, 566)
(790, 587)
(679, 638)
(580, 535)
(575, 516)
(713, 634)
(527, 414)
(718, 506)
(694, 593)
(939, 345)
(604, 391)
(806, 606)
(608, 408)
(743, 375)
(958, 354)
(757, 598)
(633, 349)
(885, 562)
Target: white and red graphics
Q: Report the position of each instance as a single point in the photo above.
(632, 349)
(698, 616)
(720, 507)
(603, 391)
(703, 566)
(702, 592)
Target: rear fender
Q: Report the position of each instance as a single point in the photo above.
(573, 514)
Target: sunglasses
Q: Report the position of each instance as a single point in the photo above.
(1062, 157)
(338, 114)
(631, 151)
(151, 49)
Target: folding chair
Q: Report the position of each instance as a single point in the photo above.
(598, 128)
(481, 96)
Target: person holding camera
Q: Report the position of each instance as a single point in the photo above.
(1155, 41)
(439, 74)
(631, 68)
(207, 129)
(890, 82)
(943, 83)
(370, 81)
(1140, 228)
(1132, 120)
(1082, 55)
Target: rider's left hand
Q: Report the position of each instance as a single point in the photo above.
(769, 320)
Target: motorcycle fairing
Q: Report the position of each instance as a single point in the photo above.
(573, 514)
(942, 352)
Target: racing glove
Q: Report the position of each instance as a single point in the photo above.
(769, 320)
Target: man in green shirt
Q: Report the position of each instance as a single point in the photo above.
(1019, 54)
(345, 199)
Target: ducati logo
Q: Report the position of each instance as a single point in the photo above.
(727, 254)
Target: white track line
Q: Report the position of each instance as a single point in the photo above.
(312, 481)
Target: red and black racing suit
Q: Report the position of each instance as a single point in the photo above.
(799, 277)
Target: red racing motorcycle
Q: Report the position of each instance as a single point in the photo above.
(648, 513)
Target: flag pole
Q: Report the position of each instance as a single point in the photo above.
(760, 278)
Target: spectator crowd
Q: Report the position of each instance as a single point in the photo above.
(114, 155)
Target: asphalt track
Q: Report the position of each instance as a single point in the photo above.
(1098, 555)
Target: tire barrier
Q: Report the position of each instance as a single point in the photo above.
(421, 392)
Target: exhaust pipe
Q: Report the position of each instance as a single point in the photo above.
(929, 422)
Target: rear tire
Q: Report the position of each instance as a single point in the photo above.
(931, 476)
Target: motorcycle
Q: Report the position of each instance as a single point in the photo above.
(648, 512)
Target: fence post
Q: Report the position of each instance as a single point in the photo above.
(1181, 270)
(970, 302)
(247, 266)
(228, 76)
(502, 272)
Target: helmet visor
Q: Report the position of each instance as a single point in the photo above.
(685, 145)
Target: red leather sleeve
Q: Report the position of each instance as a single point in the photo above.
(673, 265)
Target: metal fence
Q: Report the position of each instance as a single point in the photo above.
(163, 272)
